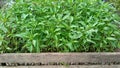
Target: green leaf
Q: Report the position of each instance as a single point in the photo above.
(36, 45)
(91, 41)
(1, 39)
(24, 16)
(22, 35)
(110, 38)
(29, 46)
(3, 28)
(71, 19)
(66, 16)
(70, 46)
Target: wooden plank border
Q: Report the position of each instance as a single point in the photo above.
(65, 58)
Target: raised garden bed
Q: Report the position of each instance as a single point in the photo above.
(33, 27)
(60, 60)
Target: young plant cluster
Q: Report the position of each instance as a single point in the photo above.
(58, 26)
(116, 4)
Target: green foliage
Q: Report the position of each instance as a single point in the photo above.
(58, 26)
(116, 3)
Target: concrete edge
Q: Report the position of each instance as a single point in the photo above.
(71, 66)
(47, 58)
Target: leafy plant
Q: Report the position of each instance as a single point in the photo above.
(59, 26)
(116, 3)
